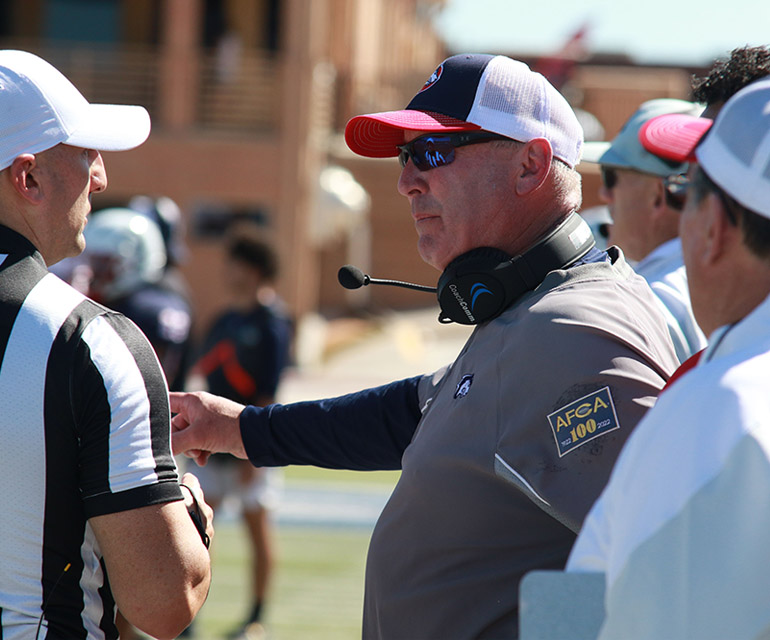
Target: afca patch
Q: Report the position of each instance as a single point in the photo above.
(583, 420)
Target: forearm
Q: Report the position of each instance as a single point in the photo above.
(158, 567)
(362, 431)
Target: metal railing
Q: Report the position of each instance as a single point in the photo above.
(242, 97)
(103, 74)
(239, 94)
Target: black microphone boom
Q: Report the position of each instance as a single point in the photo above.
(352, 277)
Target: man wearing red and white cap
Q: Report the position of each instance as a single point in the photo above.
(681, 529)
(89, 485)
(502, 453)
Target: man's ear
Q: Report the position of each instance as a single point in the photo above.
(660, 211)
(24, 177)
(719, 232)
(659, 199)
(535, 162)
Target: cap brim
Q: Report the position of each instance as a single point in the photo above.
(111, 127)
(674, 136)
(593, 151)
(608, 154)
(376, 135)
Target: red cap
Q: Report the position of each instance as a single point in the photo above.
(674, 136)
(376, 135)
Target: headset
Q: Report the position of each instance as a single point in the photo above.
(482, 283)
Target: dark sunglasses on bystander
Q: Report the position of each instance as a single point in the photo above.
(676, 184)
(609, 177)
(438, 150)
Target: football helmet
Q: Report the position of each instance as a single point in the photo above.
(125, 250)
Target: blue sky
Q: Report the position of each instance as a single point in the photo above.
(650, 31)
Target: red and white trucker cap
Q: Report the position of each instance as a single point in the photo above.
(42, 108)
(476, 91)
(734, 149)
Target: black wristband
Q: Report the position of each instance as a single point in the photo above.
(195, 516)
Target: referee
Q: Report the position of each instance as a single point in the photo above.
(90, 488)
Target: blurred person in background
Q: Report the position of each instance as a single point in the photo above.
(645, 202)
(724, 79)
(680, 532)
(93, 514)
(126, 255)
(600, 221)
(168, 216)
(242, 358)
(502, 452)
(729, 75)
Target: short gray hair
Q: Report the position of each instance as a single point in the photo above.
(567, 185)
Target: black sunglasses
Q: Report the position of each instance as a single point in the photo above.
(438, 150)
(609, 176)
(677, 184)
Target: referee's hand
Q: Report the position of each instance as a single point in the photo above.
(195, 502)
(203, 424)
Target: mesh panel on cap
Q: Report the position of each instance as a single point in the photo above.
(519, 103)
(502, 91)
(509, 89)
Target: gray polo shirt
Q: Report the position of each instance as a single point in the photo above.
(516, 441)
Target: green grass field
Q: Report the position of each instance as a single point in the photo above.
(318, 586)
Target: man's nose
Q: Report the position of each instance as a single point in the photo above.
(98, 174)
(411, 180)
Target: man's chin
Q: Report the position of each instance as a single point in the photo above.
(429, 255)
(77, 248)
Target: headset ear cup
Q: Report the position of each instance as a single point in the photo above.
(471, 289)
(480, 284)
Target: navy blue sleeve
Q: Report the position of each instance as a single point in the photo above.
(363, 431)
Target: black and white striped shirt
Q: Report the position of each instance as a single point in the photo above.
(84, 431)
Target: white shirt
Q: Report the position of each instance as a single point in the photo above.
(664, 271)
(682, 528)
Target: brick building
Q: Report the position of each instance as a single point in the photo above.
(248, 100)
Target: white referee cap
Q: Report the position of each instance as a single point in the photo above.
(41, 108)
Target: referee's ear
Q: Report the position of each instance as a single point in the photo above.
(24, 178)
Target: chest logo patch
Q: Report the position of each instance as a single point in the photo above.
(583, 420)
(464, 386)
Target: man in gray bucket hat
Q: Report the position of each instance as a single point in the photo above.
(644, 197)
